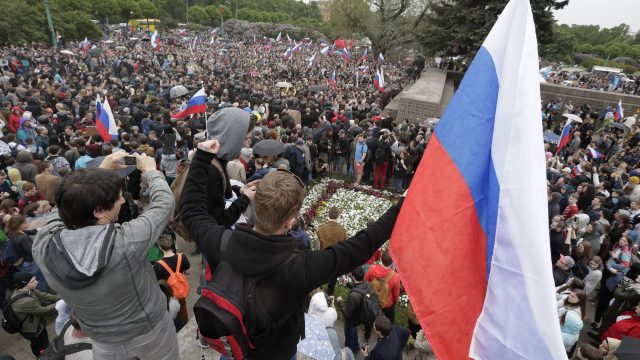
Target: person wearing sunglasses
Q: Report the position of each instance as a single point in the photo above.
(265, 248)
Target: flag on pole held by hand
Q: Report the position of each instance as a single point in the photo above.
(197, 104)
(364, 54)
(155, 40)
(332, 81)
(105, 122)
(312, 59)
(325, 50)
(565, 137)
(483, 166)
(279, 37)
(619, 114)
(380, 58)
(595, 154)
(378, 80)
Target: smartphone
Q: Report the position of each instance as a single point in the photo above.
(130, 160)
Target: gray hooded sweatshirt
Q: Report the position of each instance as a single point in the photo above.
(229, 126)
(103, 271)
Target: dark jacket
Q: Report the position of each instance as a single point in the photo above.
(353, 307)
(282, 292)
(391, 346)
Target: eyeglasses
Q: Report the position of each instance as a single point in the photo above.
(294, 175)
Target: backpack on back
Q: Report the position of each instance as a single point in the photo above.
(57, 350)
(370, 306)
(9, 253)
(11, 323)
(177, 187)
(177, 281)
(382, 289)
(230, 312)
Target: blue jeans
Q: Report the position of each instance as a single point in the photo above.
(32, 267)
(351, 338)
(399, 183)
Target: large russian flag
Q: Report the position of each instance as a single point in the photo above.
(471, 243)
(105, 121)
(197, 104)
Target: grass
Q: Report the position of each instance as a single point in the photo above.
(343, 292)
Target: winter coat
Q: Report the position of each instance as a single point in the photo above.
(296, 272)
(28, 170)
(103, 271)
(391, 346)
(571, 328)
(33, 309)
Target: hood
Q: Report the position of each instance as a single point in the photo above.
(22, 121)
(229, 126)
(379, 271)
(555, 198)
(259, 254)
(23, 157)
(17, 108)
(81, 254)
(319, 309)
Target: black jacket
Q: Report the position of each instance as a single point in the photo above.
(281, 293)
(353, 307)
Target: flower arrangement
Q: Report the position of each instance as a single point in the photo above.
(356, 203)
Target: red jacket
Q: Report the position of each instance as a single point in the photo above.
(627, 327)
(569, 211)
(378, 271)
(14, 120)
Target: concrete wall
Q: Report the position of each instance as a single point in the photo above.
(597, 99)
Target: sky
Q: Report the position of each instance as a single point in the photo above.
(590, 12)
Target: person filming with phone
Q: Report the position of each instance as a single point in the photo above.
(101, 268)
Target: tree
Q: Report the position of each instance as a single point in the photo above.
(458, 27)
(198, 15)
(147, 9)
(562, 46)
(105, 9)
(17, 29)
(385, 23)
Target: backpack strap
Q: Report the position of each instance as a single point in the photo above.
(13, 300)
(166, 267)
(179, 263)
(216, 164)
(389, 275)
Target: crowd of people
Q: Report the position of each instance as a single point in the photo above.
(592, 80)
(594, 216)
(80, 228)
(62, 181)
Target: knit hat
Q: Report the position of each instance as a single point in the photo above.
(14, 175)
(21, 279)
(567, 260)
(634, 180)
(299, 142)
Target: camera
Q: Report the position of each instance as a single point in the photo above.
(130, 160)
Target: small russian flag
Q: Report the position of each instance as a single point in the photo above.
(197, 104)
(363, 69)
(380, 58)
(565, 137)
(378, 80)
(346, 55)
(332, 81)
(105, 122)
(619, 114)
(325, 50)
(364, 54)
(595, 154)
